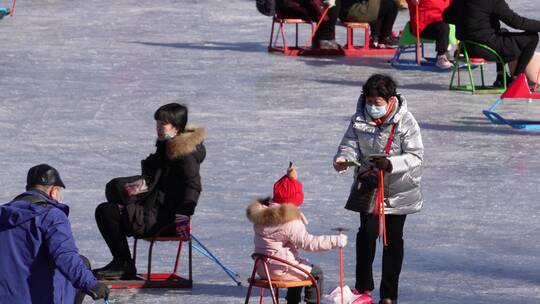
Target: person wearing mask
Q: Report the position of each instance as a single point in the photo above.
(174, 169)
(383, 131)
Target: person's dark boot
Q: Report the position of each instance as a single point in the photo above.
(498, 83)
(116, 270)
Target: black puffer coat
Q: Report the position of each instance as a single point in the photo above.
(480, 21)
(179, 160)
(305, 9)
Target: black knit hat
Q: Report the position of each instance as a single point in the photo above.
(44, 174)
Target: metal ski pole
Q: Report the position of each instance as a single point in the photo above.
(341, 276)
(203, 252)
(233, 277)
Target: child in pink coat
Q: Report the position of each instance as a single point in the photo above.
(280, 231)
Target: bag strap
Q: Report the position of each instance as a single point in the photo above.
(390, 139)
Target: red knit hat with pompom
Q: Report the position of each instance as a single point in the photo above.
(288, 189)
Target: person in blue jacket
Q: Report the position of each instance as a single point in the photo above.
(39, 261)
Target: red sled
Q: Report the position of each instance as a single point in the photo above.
(159, 280)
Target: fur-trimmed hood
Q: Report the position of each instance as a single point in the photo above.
(185, 143)
(260, 214)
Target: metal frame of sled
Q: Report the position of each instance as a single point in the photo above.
(173, 279)
(261, 260)
(470, 62)
(278, 40)
(519, 89)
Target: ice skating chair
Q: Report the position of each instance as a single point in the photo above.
(354, 50)
(284, 47)
(261, 260)
(161, 280)
(407, 45)
(519, 89)
(469, 63)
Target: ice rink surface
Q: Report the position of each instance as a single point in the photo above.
(80, 80)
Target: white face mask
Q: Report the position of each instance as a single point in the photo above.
(376, 111)
(168, 136)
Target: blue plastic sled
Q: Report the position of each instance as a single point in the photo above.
(519, 89)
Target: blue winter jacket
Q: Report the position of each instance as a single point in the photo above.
(39, 262)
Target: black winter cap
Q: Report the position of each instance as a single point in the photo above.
(44, 174)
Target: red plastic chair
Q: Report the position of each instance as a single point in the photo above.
(161, 280)
(284, 47)
(274, 285)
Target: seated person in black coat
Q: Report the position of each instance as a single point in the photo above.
(480, 21)
(174, 169)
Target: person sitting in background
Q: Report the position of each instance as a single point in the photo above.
(480, 21)
(380, 14)
(280, 231)
(312, 10)
(174, 170)
(39, 261)
(431, 26)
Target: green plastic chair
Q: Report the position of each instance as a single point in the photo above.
(469, 63)
(407, 42)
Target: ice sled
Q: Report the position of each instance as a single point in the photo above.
(408, 44)
(174, 279)
(519, 89)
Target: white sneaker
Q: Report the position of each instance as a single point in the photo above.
(443, 62)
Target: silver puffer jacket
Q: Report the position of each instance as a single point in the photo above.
(401, 186)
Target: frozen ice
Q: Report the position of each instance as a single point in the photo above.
(80, 80)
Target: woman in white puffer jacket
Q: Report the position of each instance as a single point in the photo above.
(381, 113)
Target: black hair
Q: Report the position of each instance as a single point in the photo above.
(173, 113)
(379, 85)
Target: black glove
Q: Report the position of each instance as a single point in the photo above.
(369, 180)
(382, 163)
(99, 291)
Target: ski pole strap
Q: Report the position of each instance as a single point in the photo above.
(379, 202)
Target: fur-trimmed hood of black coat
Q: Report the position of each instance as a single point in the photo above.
(185, 143)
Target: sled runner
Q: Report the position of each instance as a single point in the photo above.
(173, 279)
(519, 89)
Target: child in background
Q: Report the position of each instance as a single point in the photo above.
(280, 231)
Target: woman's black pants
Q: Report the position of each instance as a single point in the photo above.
(439, 32)
(366, 241)
(109, 221)
(382, 27)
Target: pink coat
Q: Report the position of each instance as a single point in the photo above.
(280, 231)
